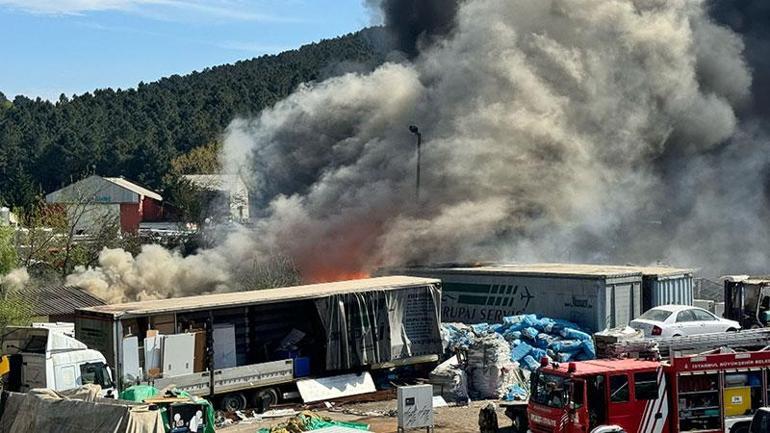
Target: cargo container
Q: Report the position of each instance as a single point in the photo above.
(663, 285)
(593, 296)
(253, 345)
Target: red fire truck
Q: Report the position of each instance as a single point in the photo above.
(705, 393)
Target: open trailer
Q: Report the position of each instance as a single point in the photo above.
(252, 346)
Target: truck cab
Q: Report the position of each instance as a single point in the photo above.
(600, 396)
(48, 358)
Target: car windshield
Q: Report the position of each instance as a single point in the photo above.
(656, 315)
(549, 390)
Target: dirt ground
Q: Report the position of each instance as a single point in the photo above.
(458, 419)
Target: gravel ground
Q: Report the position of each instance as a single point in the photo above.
(459, 419)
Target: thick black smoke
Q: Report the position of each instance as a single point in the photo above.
(554, 130)
(416, 22)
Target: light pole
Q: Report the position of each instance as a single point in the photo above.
(416, 131)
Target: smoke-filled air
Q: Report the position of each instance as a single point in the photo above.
(552, 130)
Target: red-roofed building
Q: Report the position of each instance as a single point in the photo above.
(98, 197)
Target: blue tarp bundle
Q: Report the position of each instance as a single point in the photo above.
(520, 351)
(531, 338)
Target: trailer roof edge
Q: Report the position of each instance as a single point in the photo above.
(254, 297)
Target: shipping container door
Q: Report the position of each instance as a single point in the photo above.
(621, 307)
(636, 300)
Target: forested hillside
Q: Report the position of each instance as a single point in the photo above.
(137, 132)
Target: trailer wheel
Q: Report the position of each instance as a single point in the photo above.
(263, 399)
(233, 402)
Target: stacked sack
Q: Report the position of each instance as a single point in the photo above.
(450, 380)
(490, 367)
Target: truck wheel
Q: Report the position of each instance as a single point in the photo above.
(233, 402)
(263, 399)
(519, 422)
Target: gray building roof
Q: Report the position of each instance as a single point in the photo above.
(59, 300)
(101, 190)
(547, 269)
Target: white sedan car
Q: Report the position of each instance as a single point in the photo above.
(681, 320)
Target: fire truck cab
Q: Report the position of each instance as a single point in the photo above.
(711, 393)
(600, 395)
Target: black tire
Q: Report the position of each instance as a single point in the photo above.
(263, 399)
(233, 402)
(676, 336)
(520, 423)
(743, 428)
(732, 330)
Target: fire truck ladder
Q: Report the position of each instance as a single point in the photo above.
(749, 339)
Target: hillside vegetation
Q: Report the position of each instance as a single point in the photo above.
(137, 132)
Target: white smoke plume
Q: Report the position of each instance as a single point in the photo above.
(582, 130)
(14, 280)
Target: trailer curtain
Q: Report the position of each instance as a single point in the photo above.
(379, 326)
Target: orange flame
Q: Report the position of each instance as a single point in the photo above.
(331, 275)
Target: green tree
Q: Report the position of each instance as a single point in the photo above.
(8, 257)
(200, 160)
(14, 308)
(190, 200)
(137, 132)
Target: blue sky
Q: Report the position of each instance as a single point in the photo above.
(49, 47)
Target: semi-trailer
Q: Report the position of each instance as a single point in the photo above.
(253, 346)
(595, 297)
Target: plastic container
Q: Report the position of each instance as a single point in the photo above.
(301, 367)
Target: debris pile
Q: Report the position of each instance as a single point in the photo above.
(309, 421)
(499, 357)
(625, 343)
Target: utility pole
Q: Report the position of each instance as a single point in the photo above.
(416, 131)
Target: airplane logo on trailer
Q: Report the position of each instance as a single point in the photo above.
(525, 296)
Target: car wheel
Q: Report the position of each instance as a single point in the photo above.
(732, 330)
(677, 336)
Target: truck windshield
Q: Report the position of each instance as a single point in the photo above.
(97, 373)
(549, 390)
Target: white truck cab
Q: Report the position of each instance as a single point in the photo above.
(42, 357)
